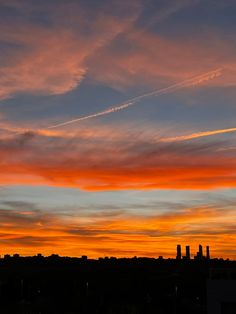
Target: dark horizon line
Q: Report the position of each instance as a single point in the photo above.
(86, 258)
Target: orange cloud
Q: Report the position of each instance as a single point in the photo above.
(53, 64)
(52, 59)
(99, 163)
(153, 59)
(35, 231)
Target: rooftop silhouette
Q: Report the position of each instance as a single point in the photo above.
(110, 285)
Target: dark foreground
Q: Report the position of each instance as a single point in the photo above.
(56, 285)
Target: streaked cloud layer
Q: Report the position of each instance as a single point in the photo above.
(108, 159)
(71, 41)
(115, 234)
(149, 176)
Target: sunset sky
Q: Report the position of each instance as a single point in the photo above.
(137, 175)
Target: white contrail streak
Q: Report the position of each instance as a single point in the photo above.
(97, 114)
(197, 135)
(190, 82)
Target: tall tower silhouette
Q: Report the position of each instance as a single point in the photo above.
(187, 252)
(207, 252)
(178, 255)
(200, 251)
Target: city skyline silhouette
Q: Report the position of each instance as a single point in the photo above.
(117, 157)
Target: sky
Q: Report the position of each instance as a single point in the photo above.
(117, 127)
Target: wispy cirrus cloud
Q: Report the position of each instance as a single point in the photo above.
(69, 41)
(151, 58)
(51, 58)
(109, 162)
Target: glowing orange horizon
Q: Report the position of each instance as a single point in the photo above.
(181, 144)
(128, 236)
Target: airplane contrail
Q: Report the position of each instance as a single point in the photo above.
(97, 114)
(170, 89)
(196, 135)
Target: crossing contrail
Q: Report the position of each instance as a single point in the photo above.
(131, 102)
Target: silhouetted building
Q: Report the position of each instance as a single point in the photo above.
(200, 251)
(137, 285)
(207, 252)
(178, 255)
(188, 252)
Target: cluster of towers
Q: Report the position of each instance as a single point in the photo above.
(199, 254)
